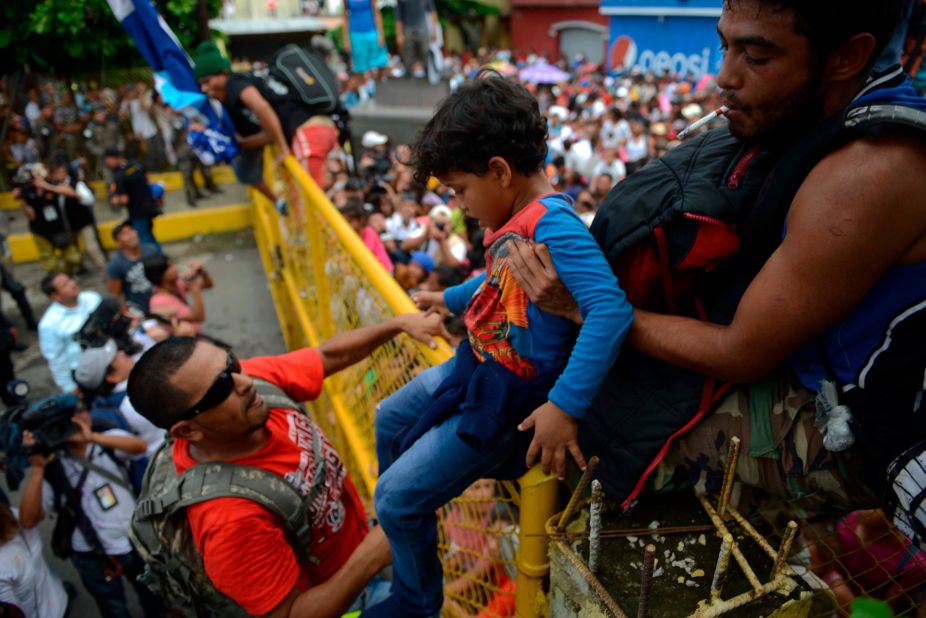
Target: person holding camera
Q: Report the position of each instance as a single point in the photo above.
(87, 483)
(171, 290)
(55, 204)
(444, 245)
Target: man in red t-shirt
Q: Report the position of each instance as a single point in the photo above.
(207, 400)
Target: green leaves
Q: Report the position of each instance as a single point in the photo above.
(74, 36)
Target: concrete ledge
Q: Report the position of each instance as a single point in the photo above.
(167, 228)
(173, 181)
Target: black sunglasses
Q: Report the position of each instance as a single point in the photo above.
(221, 388)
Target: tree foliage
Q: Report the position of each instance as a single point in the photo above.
(72, 36)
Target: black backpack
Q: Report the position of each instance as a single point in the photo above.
(302, 75)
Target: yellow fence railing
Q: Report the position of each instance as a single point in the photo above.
(324, 280)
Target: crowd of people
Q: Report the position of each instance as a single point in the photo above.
(500, 221)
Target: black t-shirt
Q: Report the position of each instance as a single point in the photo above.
(291, 112)
(131, 180)
(51, 210)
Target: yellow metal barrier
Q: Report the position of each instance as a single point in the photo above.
(324, 280)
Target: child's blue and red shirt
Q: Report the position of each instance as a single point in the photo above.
(505, 326)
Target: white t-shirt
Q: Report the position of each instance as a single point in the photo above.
(142, 123)
(107, 505)
(26, 581)
(153, 435)
(616, 169)
(400, 231)
(456, 245)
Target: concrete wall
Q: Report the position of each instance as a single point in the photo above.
(531, 25)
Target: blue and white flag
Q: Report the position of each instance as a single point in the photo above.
(173, 76)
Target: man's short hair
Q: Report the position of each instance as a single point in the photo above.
(150, 389)
(48, 284)
(487, 117)
(828, 24)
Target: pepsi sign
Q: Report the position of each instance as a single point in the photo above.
(676, 45)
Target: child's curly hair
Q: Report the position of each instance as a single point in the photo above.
(487, 117)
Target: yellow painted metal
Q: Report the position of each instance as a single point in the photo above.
(539, 498)
(167, 228)
(393, 294)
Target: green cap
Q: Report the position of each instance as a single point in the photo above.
(208, 60)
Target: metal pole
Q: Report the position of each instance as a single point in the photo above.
(538, 504)
(649, 555)
(785, 549)
(728, 476)
(594, 527)
(723, 562)
(577, 493)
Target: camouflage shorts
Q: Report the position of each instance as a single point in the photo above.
(781, 450)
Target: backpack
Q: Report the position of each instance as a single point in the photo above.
(302, 75)
(161, 532)
(686, 235)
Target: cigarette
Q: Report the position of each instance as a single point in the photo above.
(697, 124)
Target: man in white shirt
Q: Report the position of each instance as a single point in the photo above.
(68, 311)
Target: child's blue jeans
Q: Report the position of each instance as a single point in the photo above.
(413, 485)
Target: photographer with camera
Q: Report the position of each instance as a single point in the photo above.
(171, 290)
(82, 475)
(67, 313)
(102, 374)
(444, 245)
(54, 205)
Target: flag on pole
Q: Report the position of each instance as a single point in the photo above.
(173, 77)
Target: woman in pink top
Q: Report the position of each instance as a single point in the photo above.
(171, 291)
(357, 216)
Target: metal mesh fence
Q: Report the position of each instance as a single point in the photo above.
(324, 281)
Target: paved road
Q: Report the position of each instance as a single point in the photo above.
(239, 310)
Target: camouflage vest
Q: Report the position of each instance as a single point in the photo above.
(161, 532)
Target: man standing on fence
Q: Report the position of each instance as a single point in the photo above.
(218, 409)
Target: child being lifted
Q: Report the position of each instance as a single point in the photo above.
(520, 368)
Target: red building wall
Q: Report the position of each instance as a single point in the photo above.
(531, 21)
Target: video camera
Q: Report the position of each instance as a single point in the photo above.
(26, 175)
(49, 420)
(107, 322)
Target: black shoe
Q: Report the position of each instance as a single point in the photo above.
(192, 203)
(19, 346)
(214, 189)
(201, 196)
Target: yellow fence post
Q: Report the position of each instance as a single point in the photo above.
(539, 493)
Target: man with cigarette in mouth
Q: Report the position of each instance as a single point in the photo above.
(824, 349)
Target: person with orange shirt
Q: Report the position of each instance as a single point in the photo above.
(207, 400)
